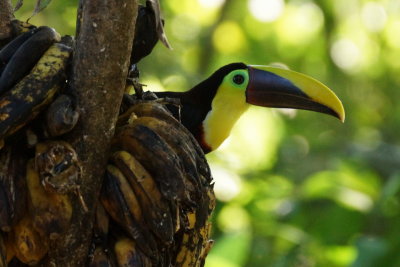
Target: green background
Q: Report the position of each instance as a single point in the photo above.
(294, 188)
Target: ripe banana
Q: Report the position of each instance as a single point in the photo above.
(26, 99)
(156, 210)
(121, 204)
(12, 186)
(51, 212)
(29, 246)
(128, 255)
(26, 56)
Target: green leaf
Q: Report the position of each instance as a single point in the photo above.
(370, 250)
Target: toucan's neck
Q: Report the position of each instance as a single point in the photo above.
(226, 109)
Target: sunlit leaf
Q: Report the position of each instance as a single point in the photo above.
(229, 37)
(231, 250)
(340, 255)
(345, 187)
(241, 222)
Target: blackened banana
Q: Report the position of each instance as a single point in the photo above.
(12, 186)
(8, 240)
(129, 196)
(179, 142)
(101, 224)
(51, 212)
(3, 251)
(156, 156)
(5, 210)
(26, 99)
(192, 179)
(156, 210)
(9, 50)
(113, 199)
(61, 116)
(100, 258)
(26, 56)
(194, 247)
(153, 150)
(156, 110)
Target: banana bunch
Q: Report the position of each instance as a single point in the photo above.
(32, 71)
(33, 213)
(36, 173)
(157, 192)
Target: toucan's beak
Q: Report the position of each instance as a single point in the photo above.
(281, 88)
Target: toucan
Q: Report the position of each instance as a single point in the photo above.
(211, 108)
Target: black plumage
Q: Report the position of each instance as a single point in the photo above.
(196, 103)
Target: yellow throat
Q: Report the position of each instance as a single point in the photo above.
(227, 107)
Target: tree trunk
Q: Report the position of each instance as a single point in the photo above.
(5, 20)
(99, 69)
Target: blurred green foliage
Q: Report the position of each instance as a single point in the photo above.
(294, 188)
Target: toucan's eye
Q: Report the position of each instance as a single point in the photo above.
(238, 79)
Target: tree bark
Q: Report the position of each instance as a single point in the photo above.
(99, 69)
(6, 15)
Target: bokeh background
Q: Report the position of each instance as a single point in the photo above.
(293, 188)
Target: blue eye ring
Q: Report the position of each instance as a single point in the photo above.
(238, 79)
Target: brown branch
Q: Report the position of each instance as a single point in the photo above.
(99, 69)
(6, 15)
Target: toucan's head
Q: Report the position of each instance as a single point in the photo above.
(234, 87)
